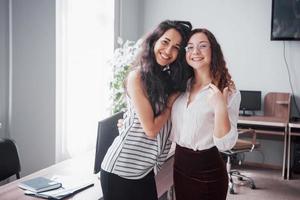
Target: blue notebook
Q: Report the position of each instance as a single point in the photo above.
(39, 184)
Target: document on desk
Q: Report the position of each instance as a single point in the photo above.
(68, 189)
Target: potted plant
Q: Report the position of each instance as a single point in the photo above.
(122, 60)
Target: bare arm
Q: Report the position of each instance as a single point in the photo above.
(149, 122)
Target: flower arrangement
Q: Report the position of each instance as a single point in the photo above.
(122, 60)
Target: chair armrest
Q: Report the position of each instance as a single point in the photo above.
(249, 131)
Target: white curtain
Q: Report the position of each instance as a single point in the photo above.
(86, 41)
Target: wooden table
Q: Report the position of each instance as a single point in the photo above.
(269, 126)
(81, 167)
(294, 130)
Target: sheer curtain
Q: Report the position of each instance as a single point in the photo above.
(85, 42)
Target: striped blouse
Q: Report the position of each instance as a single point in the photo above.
(132, 154)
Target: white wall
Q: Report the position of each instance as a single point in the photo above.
(3, 66)
(242, 27)
(33, 82)
(131, 19)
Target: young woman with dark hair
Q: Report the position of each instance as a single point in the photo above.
(128, 167)
(204, 122)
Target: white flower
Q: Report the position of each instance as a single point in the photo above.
(125, 54)
(121, 61)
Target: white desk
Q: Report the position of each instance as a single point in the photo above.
(261, 124)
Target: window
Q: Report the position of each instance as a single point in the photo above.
(85, 43)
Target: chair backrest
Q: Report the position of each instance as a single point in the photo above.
(9, 159)
(107, 131)
(277, 104)
(245, 145)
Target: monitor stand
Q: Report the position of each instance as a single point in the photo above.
(244, 113)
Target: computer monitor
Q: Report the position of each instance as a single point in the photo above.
(250, 101)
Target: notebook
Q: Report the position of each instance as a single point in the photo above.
(39, 184)
(60, 193)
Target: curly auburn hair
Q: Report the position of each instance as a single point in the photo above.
(219, 72)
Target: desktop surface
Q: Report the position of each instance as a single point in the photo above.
(80, 167)
(261, 119)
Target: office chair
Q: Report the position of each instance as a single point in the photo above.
(107, 131)
(241, 146)
(9, 159)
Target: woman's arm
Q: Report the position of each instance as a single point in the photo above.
(218, 101)
(150, 124)
(229, 138)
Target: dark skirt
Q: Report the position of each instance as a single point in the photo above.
(199, 175)
(115, 187)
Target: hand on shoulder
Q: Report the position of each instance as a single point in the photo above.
(172, 99)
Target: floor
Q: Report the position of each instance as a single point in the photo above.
(270, 186)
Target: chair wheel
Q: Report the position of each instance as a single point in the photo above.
(231, 191)
(253, 186)
(240, 179)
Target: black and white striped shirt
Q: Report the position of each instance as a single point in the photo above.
(133, 155)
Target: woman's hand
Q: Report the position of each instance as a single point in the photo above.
(217, 99)
(172, 99)
(120, 123)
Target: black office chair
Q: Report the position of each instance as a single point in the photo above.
(241, 146)
(107, 131)
(9, 159)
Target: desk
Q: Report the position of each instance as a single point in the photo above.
(81, 166)
(294, 130)
(268, 125)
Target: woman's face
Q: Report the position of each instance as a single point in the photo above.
(167, 47)
(198, 51)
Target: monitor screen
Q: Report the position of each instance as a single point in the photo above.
(285, 23)
(250, 100)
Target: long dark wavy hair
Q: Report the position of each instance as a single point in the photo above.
(219, 72)
(159, 83)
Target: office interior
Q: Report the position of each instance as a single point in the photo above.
(28, 111)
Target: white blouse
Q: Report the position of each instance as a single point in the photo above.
(193, 124)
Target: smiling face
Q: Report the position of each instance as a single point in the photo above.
(198, 52)
(167, 47)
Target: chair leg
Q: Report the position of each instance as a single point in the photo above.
(171, 193)
(228, 164)
(18, 175)
(231, 186)
(229, 172)
(246, 178)
(233, 171)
